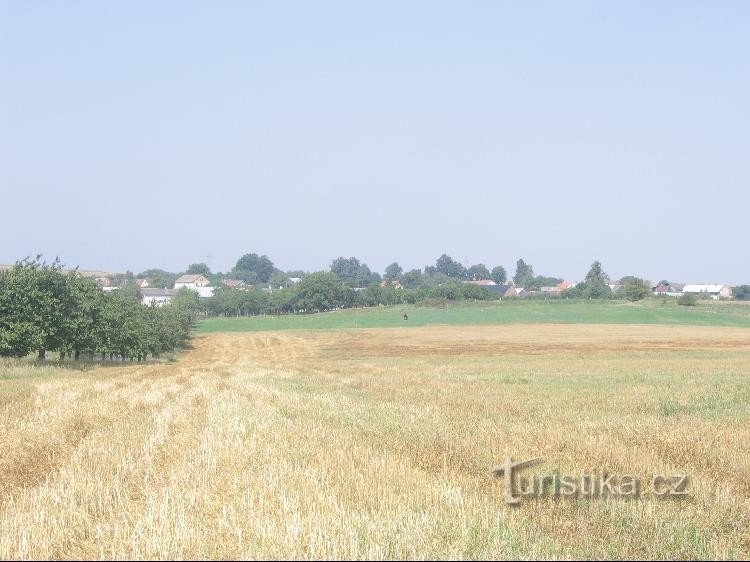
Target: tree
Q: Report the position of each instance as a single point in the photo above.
(279, 280)
(450, 268)
(635, 289)
(412, 279)
(45, 309)
(742, 292)
(393, 272)
(524, 274)
(352, 272)
(477, 272)
(321, 291)
(596, 274)
(596, 285)
(261, 266)
(198, 269)
(498, 275)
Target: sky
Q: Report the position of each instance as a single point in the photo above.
(155, 134)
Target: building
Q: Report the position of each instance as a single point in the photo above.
(715, 291)
(234, 283)
(481, 282)
(513, 291)
(157, 297)
(141, 283)
(668, 290)
(191, 282)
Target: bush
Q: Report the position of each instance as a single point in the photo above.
(688, 299)
(635, 289)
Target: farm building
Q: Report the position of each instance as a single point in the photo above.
(234, 283)
(714, 290)
(668, 290)
(191, 282)
(482, 282)
(157, 297)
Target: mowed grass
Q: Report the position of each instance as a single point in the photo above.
(509, 311)
(379, 443)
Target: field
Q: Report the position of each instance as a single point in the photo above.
(379, 443)
(650, 311)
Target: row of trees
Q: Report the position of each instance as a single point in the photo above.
(44, 309)
(324, 290)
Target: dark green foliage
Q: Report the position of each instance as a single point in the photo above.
(323, 291)
(352, 272)
(596, 285)
(393, 272)
(449, 267)
(43, 309)
(524, 276)
(688, 299)
(253, 268)
(199, 269)
(635, 289)
(477, 272)
(498, 275)
(741, 292)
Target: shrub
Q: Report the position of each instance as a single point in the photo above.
(688, 299)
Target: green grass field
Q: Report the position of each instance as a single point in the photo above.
(651, 311)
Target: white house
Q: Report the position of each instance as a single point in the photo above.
(157, 297)
(197, 283)
(715, 291)
(191, 282)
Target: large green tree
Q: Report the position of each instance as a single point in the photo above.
(450, 267)
(498, 275)
(199, 269)
(253, 268)
(321, 291)
(524, 276)
(477, 272)
(635, 289)
(352, 272)
(393, 272)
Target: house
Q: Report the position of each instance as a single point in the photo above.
(234, 283)
(157, 297)
(668, 290)
(482, 282)
(295, 280)
(565, 285)
(715, 291)
(395, 283)
(197, 283)
(141, 283)
(616, 286)
(191, 282)
(104, 282)
(550, 291)
(513, 291)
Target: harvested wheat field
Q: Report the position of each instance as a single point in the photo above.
(380, 443)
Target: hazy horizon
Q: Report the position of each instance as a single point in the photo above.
(137, 136)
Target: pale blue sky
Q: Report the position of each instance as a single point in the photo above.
(148, 134)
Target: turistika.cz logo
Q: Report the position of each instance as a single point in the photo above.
(586, 485)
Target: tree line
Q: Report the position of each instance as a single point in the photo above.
(323, 290)
(44, 309)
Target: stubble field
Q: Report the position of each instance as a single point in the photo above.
(379, 443)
